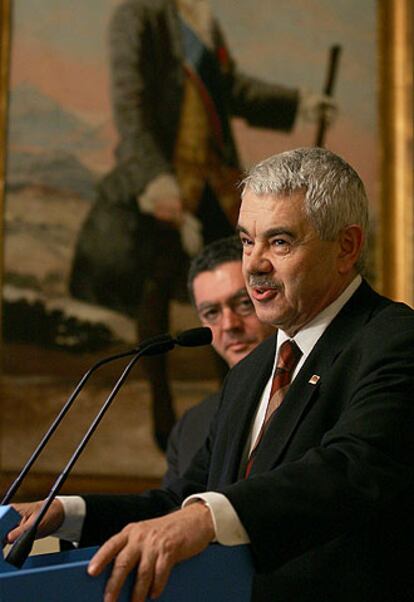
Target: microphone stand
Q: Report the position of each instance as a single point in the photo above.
(23, 545)
(18, 481)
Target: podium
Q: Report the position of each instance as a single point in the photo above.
(219, 574)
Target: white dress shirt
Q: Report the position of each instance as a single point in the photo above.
(228, 528)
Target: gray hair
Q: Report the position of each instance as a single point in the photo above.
(335, 196)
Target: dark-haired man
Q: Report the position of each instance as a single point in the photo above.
(218, 292)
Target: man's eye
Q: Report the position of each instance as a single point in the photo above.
(244, 306)
(245, 241)
(209, 315)
(281, 245)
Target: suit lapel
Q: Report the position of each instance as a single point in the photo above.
(244, 395)
(305, 388)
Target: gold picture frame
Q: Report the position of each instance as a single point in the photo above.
(395, 243)
(4, 79)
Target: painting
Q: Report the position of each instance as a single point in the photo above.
(61, 138)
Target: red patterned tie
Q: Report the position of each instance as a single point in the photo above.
(289, 355)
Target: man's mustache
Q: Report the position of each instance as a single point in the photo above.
(263, 282)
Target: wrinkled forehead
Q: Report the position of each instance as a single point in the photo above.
(266, 207)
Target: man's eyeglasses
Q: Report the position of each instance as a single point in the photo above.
(240, 304)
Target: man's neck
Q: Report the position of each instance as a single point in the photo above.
(324, 317)
(331, 298)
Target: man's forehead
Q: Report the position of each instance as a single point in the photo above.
(217, 299)
(224, 281)
(269, 206)
(267, 200)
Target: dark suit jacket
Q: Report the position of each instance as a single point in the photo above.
(329, 502)
(188, 435)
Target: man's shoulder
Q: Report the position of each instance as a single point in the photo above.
(392, 323)
(371, 326)
(202, 411)
(379, 308)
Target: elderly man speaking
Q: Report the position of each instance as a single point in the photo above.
(310, 457)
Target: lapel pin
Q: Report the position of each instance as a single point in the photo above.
(314, 379)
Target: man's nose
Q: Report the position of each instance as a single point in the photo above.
(230, 320)
(257, 262)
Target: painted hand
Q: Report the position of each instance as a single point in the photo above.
(316, 106)
(169, 209)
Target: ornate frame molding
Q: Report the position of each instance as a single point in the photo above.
(5, 30)
(395, 248)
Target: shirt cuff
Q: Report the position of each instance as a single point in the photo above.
(227, 526)
(75, 511)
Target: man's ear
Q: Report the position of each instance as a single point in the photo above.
(351, 240)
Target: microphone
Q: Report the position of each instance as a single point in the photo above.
(147, 344)
(195, 337)
(190, 338)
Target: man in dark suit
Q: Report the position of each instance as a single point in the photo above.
(217, 290)
(327, 505)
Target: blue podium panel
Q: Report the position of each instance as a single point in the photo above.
(56, 578)
(219, 574)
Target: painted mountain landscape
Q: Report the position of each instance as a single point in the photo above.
(49, 191)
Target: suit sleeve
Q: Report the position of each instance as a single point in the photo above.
(172, 454)
(106, 515)
(261, 103)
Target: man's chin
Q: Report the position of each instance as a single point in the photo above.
(235, 353)
(269, 314)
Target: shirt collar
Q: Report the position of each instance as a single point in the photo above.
(198, 16)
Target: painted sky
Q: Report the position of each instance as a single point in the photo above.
(60, 47)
